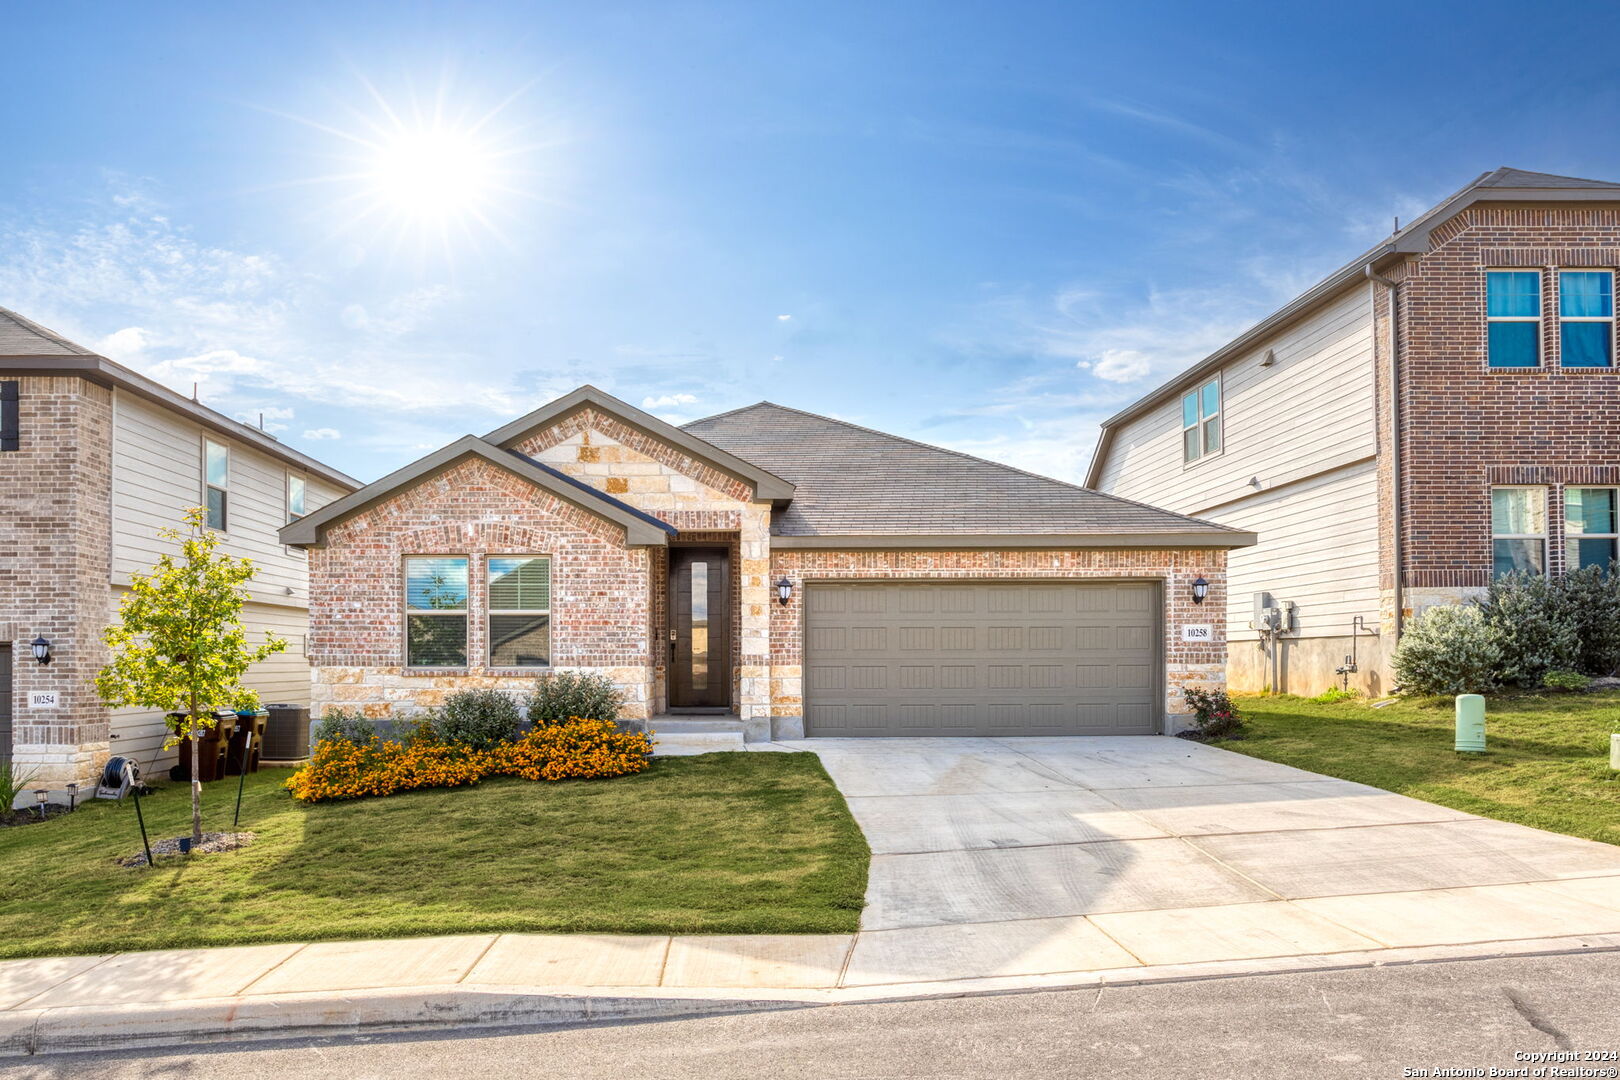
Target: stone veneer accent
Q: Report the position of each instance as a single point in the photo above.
(55, 552)
(1186, 664)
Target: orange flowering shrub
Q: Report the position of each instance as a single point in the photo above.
(577, 750)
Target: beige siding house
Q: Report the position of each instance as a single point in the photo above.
(97, 460)
(1389, 465)
(1293, 460)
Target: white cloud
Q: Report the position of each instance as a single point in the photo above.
(323, 433)
(269, 416)
(1118, 365)
(668, 401)
(124, 344)
(784, 318)
(242, 326)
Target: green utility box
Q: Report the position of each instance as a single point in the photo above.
(1470, 724)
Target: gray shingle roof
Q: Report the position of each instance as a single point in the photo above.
(852, 480)
(1523, 178)
(24, 337)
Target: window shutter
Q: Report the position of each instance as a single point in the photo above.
(10, 437)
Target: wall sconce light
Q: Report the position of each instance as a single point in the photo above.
(784, 591)
(42, 650)
(41, 794)
(1200, 589)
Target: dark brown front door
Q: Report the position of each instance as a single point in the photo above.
(700, 628)
(5, 708)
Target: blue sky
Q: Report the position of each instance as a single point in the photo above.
(982, 225)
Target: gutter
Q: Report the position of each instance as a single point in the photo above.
(1397, 512)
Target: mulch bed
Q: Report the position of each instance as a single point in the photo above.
(31, 815)
(212, 842)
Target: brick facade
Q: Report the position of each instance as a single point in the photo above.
(601, 615)
(1467, 427)
(55, 551)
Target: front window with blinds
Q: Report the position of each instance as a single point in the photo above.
(216, 483)
(1518, 530)
(436, 611)
(1591, 527)
(519, 611)
(1201, 421)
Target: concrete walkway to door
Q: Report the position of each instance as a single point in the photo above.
(1023, 856)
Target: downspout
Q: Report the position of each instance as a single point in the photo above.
(1395, 435)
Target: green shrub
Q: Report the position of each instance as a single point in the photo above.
(559, 695)
(1448, 650)
(1536, 626)
(1214, 715)
(345, 725)
(477, 718)
(1334, 693)
(1594, 598)
(1565, 680)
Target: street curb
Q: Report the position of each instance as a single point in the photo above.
(291, 1016)
(467, 1008)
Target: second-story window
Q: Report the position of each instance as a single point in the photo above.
(1513, 318)
(1518, 530)
(295, 497)
(216, 482)
(1586, 318)
(1201, 421)
(1591, 528)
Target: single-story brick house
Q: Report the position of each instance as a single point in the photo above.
(783, 572)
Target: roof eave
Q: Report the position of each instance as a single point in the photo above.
(105, 372)
(1192, 538)
(310, 531)
(767, 485)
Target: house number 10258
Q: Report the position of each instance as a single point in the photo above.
(1198, 632)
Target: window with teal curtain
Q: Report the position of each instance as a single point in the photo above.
(1513, 318)
(1586, 318)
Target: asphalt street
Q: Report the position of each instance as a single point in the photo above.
(1387, 1022)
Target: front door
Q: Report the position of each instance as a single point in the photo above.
(5, 709)
(699, 628)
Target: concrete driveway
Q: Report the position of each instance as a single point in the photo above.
(1021, 856)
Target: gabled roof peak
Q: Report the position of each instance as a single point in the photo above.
(766, 485)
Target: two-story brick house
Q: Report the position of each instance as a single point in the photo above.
(94, 460)
(1388, 465)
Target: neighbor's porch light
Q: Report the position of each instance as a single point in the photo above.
(784, 591)
(42, 650)
(1200, 589)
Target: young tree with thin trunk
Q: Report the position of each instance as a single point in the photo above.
(179, 645)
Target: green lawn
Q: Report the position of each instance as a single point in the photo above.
(1547, 763)
(722, 843)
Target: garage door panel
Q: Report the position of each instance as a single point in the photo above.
(1081, 658)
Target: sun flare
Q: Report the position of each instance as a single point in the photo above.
(433, 173)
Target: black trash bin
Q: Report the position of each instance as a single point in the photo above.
(286, 733)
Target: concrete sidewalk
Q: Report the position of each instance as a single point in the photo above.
(999, 865)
